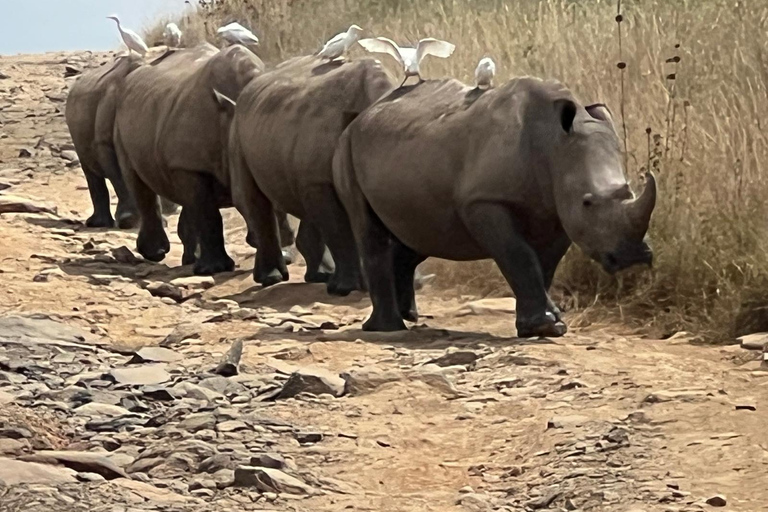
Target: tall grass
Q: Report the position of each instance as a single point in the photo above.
(693, 106)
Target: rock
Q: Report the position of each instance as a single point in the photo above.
(13, 446)
(224, 478)
(15, 433)
(543, 501)
(269, 460)
(204, 282)
(15, 472)
(198, 421)
(4, 76)
(6, 398)
(25, 153)
(148, 375)
(308, 437)
(270, 480)
(123, 254)
(16, 204)
(456, 358)
(160, 289)
(197, 392)
(677, 395)
(216, 463)
(567, 421)
(758, 341)
(717, 500)
(41, 330)
(360, 381)
(312, 380)
(70, 156)
(152, 494)
(498, 306)
(79, 461)
(97, 409)
(155, 355)
(70, 71)
(223, 385)
(90, 477)
(182, 332)
(231, 426)
(230, 364)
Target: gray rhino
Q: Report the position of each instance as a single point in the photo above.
(90, 116)
(513, 174)
(284, 133)
(171, 134)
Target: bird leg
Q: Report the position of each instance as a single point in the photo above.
(404, 80)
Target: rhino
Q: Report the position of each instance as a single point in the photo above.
(171, 136)
(286, 124)
(90, 117)
(515, 174)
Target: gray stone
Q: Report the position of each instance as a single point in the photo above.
(270, 480)
(269, 460)
(312, 380)
(13, 446)
(198, 421)
(41, 330)
(148, 375)
(187, 389)
(717, 501)
(155, 355)
(216, 463)
(15, 472)
(203, 282)
(758, 341)
(97, 409)
(360, 381)
(123, 254)
(455, 358)
(15, 204)
(160, 289)
(79, 461)
(231, 426)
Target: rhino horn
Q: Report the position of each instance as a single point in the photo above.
(640, 209)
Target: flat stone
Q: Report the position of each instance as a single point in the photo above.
(188, 389)
(567, 421)
(494, 306)
(717, 501)
(13, 446)
(313, 380)
(6, 398)
(270, 480)
(198, 421)
(153, 494)
(15, 204)
(269, 460)
(456, 358)
(15, 472)
(308, 437)
(123, 254)
(41, 330)
(149, 375)
(80, 462)
(204, 282)
(98, 409)
(757, 341)
(155, 355)
(361, 381)
(160, 289)
(69, 155)
(231, 426)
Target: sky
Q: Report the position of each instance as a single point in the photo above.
(35, 26)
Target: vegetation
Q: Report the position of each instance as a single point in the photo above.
(690, 98)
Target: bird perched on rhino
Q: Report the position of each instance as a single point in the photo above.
(340, 44)
(484, 73)
(132, 40)
(408, 57)
(172, 35)
(235, 33)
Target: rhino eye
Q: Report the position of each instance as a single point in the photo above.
(587, 201)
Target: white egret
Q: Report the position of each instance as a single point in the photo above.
(409, 58)
(172, 35)
(339, 44)
(132, 40)
(484, 73)
(235, 33)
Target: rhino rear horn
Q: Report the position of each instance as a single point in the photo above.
(225, 102)
(642, 207)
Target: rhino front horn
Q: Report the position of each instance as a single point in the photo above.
(642, 207)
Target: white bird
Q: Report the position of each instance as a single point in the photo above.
(172, 35)
(409, 57)
(484, 73)
(131, 39)
(235, 33)
(339, 44)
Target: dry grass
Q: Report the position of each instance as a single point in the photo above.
(707, 140)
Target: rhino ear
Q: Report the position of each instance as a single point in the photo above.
(600, 112)
(226, 103)
(566, 110)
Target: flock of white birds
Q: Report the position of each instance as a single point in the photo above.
(336, 47)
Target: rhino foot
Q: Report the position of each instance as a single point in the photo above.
(546, 326)
(153, 250)
(210, 267)
(273, 278)
(377, 323)
(127, 220)
(317, 277)
(100, 221)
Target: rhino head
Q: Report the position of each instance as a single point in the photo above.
(596, 206)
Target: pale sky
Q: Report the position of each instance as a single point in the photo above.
(34, 26)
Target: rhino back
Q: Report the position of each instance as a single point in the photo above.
(289, 120)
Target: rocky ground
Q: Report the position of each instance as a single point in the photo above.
(126, 385)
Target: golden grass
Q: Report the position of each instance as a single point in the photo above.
(707, 141)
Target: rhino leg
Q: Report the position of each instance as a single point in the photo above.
(97, 188)
(188, 236)
(287, 237)
(168, 207)
(494, 228)
(309, 242)
(549, 258)
(334, 226)
(405, 262)
(205, 220)
(260, 216)
(152, 243)
(127, 216)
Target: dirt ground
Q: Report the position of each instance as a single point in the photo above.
(455, 415)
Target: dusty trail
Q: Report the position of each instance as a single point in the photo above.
(456, 415)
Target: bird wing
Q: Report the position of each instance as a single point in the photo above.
(430, 46)
(338, 38)
(382, 45)
(136, 39)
